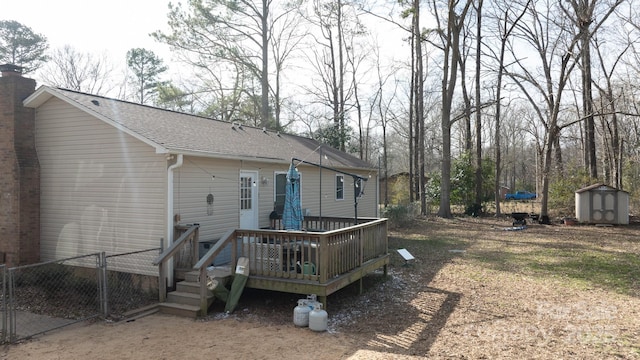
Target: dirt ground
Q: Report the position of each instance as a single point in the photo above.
(475, 291)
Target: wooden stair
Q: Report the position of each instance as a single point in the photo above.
(185, 300)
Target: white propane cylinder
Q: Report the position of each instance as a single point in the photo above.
(318, 318)
(301, 313)
(311, 301)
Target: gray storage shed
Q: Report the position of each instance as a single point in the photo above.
(602, 204)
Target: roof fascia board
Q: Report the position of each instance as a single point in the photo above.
(39, 97)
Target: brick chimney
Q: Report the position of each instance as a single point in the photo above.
(19, 171)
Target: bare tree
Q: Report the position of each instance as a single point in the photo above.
(71, 69)
(334, 60)
(381, 104)
(418, 108)
(505, 27)
(479, 179)
(221, 35)
(608, 109)
(355, 59)
(286, 36)
(553, 45)
(548, 35)
(449, 32)
(583, 14)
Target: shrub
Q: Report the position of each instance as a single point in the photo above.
(399, 215)
(473, 210)
(562, 190)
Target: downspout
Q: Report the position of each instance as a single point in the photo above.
(170, 229)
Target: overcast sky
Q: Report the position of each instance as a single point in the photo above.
(91, 26)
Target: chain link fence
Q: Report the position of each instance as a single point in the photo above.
(50, 295)
(46, 296)
(131, 282)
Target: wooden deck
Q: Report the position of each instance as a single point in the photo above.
(335, 254)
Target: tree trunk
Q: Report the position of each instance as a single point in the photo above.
(420, 115)
(414, 38)
(478, 176)
(264, 80)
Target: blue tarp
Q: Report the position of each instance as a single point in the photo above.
(292, 214)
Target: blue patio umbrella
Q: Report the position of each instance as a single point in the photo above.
(292, 213)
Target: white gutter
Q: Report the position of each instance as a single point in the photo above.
(170, 214)
(278, 161)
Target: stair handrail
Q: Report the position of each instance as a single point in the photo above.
(177, 245)
(202, 264)
(167, 255)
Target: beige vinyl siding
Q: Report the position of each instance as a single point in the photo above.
(101, 189)
(267, 190)
(193, 181)
(311, 193)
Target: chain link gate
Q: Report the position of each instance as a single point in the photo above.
(50, 295)
(42, 297)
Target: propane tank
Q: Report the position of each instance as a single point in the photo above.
(301, 313)
(318, 318)
(311, 301)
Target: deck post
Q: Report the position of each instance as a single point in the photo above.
(162, 282)
(323, 300)
(361, 240)
(324, 259)
(202, 279)
(234, 252)
(195, 246)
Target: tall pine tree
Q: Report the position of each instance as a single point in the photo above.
(146, 68)
(19, 45)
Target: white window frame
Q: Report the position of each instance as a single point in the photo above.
(339, 180)
(275, 186)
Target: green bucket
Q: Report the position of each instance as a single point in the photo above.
(308, 268)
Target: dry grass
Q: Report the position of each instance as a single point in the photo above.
(478, 291)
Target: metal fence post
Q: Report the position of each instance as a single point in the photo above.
(104, 299)
(5, 312)
(12, 309)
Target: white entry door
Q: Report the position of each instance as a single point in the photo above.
(248, 200)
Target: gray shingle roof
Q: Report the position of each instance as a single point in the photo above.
(598, 186)
(183, 133)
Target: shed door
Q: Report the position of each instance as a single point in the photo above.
(603, 206)
(248, 200)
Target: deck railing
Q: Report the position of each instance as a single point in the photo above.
(311, 256)
(307, 255)
(183, 252)
(324, 223)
